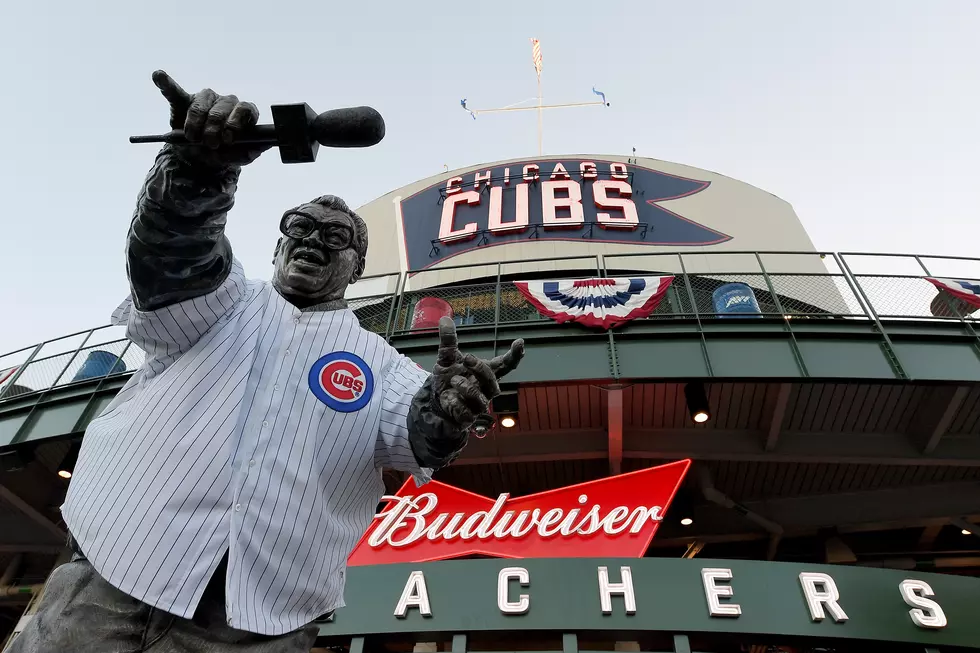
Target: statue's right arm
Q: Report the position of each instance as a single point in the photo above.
(176, 248)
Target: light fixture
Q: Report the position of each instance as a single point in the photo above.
(966, 532)
(682, 507)
(505, 407)
(697, 402)
(67, 466)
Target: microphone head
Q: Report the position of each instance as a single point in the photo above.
(351, 127)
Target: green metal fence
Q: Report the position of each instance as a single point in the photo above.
(881, 288)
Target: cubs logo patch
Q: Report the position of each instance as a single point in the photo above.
(343, 381)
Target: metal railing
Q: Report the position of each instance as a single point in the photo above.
(789, 286)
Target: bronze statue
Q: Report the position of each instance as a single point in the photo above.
(216, 499)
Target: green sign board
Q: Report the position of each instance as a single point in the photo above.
(674, 595)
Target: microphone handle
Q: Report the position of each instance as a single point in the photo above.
(257, 135)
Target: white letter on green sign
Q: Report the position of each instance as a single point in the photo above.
(714, 592)
(523, 602)
(820, 590)
(607, 589)
(925, 613)
(415, 595)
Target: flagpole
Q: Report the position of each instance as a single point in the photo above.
(540, 119)
(541, 106)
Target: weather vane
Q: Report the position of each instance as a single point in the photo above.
(540, 107)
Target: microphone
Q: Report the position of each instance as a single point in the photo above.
(298, 131)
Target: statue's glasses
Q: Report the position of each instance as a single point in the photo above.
(299, 225)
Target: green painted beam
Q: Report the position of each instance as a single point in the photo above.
(661, 349)
(670, 596)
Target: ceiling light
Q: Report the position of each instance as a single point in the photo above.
(966, 532)
(687, 521)
(506, 407)
(67, 466)
(697, 402)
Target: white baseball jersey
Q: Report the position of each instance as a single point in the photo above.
(254, 428)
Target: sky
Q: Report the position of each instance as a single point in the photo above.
(863, 114)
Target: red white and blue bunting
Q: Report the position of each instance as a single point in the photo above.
(602, 303)
(967, 291)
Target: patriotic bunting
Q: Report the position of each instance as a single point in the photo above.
(967, 291)
(602, 303)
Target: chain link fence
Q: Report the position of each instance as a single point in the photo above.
(94, 354)
(468, 305)
(895, 286)
(373, 312)
(830, 287)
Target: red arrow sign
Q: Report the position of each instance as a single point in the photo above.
(612, 517)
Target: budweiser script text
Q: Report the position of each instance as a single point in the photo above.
(406, 520)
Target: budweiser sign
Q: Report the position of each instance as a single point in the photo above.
(611, 517)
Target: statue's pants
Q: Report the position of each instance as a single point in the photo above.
(80, 612)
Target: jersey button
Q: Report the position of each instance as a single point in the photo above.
(265, 424)
(276, 388)
(251, 463)
(287, 352)
(238, 507)
(296, 320)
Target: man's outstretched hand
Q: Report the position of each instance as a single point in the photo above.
(463, 384)
(211, 123)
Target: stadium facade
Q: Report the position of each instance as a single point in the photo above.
(777, 450)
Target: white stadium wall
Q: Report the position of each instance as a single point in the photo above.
(561, 207)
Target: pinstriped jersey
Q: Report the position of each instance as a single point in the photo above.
(253, 428)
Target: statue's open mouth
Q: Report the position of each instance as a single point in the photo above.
(310, 256)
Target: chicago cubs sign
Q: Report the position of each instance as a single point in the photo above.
(605, 201)
(343, 381)
(616, 516)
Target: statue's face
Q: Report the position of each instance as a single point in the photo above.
(316, 257)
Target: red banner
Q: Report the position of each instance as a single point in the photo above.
(611, 517)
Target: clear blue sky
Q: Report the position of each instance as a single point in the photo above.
(862, 114)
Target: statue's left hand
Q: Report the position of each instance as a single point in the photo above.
(463, 384)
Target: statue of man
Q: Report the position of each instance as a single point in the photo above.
(217, 498)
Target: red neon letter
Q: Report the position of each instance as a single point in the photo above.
(454, 185)
(588, 170)
(550, 204)
(528, 169)
(559, 172)
(477, 178)
(623, 203)
(618, 171)
(497, 225)
(446, 231)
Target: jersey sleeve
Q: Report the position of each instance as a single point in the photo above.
(402, 380)
(166, 333)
